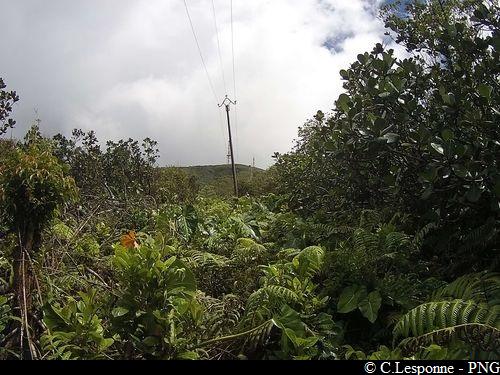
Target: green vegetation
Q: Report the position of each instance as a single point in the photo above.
(216, 180)
(208, 173)
(376, 237)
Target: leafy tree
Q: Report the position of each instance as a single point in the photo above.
(33, 185)
(174, 185)
(7, 99)
(123, 170)
(417, 134)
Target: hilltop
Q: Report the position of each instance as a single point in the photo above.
(208, 173)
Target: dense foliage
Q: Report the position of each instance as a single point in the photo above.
(419, 134)
(375, 237)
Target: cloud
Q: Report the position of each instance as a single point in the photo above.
(130, 68)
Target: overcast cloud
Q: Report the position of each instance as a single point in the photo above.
(130, 68)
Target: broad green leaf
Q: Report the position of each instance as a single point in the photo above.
(448, 98)
(119, 311)
(350, 298)
(459, 170)
(289, 319)
(189, 355)
(473, 194)
(309, 260)
(180, 277)
(106, 343)
(370, 305)
(151, 341)
(447, 135)
(438, 148)
(485, 90)
(391, 137)
(429, 174)
(343, 103)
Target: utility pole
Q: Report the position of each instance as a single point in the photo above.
(227, 102)
(228, 155)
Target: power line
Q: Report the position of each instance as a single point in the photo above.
(234, 80)
(218, 46)
(201, 55)
(232, 50)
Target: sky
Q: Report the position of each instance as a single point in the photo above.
(131, 68)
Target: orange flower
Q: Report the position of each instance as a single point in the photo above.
(128, 240)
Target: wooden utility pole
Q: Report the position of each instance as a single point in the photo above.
(253, 167)
(227, 102)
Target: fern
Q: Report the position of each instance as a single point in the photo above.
(252, 338)
(480, 237)
(247, 250)
(267, 300)
(370, 218)
(197, 259)
(484, 337)
(419, 238)
(328, 230)
(220, 315)
(365, 241)
(482, 287)
(259, 335)
(309, 261)
(443, 321)
(395, 241)
(287, 254)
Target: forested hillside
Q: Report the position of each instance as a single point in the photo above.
(375, 237)
(208, 173)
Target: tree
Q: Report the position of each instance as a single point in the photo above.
(174, 185)
(123, 169)
(33, 185)
(417, 134)
(7, 99)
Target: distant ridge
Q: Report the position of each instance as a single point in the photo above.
(209, 173)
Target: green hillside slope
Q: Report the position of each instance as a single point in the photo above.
(208, 173)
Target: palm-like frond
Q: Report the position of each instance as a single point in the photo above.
(309, 261)
(265, 301)
(482, 287)
(481, 236)
(195, 259)
(420, 236)
(443, 321)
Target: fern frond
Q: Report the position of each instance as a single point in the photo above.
(265, 301)
(247, 250)
(480, 237)
(482, 336)
(195, 259)
(370, 218)
(395, 241)
(365, 241)
(221, 315)
(419, 238)
(447, 319)
(482, 287)
(309, 261)
(437, 315)
(287, 254)
(253, 337)
(327, 230)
